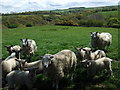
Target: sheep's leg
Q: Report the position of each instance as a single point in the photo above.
(110, 70)
(19, 55)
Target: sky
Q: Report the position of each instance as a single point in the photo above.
(8, 6)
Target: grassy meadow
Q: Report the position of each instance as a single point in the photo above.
(109, 14)
(52, 39)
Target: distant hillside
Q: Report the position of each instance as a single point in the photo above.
(70, 10)
(75, 16)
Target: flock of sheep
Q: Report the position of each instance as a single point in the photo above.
(17, 71)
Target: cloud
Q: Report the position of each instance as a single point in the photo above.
(34, 5)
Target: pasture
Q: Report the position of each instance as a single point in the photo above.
(51, 39)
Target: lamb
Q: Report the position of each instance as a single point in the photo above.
(17, 49)
(101, 40)
(28, 47)
(94, 55)
(58, 65)
(36, 64)
(8, 65)
(81, 53)
(18, 78)
(95, 66)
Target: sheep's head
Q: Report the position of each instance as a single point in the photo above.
(85, 63)
(94, 35)
(9, 48)
(24, 42)
(78, 52)
(88, 52)
(47, 60)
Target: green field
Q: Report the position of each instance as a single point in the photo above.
(109, 14)
(51, 39)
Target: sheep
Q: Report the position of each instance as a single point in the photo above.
(101, 40)
(35, 64)
(8, 65)
(81, 53)
(28, 47)
(17, 49)
(58, 65)
(18, 78)
(95, 66)
(94, 55)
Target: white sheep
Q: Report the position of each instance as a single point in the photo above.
(95, 66)
(8, 65)
(11, 49)
(58, 65)
(101, 40)
(81, 53)
(29, 46)
(90, 55)
(18, 78)
(36, 64)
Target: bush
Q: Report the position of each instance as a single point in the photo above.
(113, 22)
(93, 23)
(29, 25)
(12, 25)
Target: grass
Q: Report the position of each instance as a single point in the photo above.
(107, 14)
(51, 39)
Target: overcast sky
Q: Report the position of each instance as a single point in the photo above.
(7, 6)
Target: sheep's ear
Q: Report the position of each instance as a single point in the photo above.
(18, 60)
(51, 57)
(75, 48)
(97, 32)
(78, 49)
(84, 49)
(21, 49)
(40, 57)
(11, 45)
(91, 32)
(21, 39)
(6, 46)
(26, 39)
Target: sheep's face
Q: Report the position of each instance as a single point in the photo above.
(94, 35)
(9, 48)
(85, 63)
(47, 60)
(24, 42)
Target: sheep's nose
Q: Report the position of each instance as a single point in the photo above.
(45, 66)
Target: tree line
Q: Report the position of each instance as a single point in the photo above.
(88, 17)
